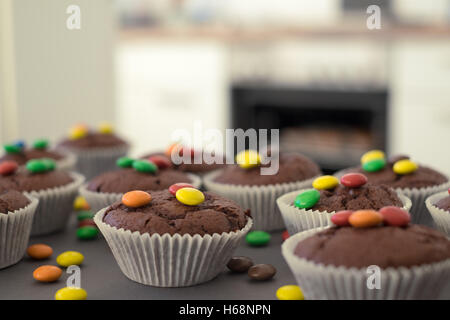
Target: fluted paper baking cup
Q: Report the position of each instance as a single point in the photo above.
(297, 220)
(99, 200)
(55, 206)
(319, 281)
(170, 261)
(15, 230)
(440, 216)
(261, 200)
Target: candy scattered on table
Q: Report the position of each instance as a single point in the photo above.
(190, 196)
(82, 215)
(404, 167)
(161, 162)
(285, 235)
(86, 222)
(257, 238)
(239, 264)
(262, 272)
(365, 218)
(248, 159)
(78, 132)
(87, 232)
(80, 203)
(8, 167)
(105, 128)
(177, 186)
(325, 183)
(39, 251)
(340, 218)
(69, 258)
(372, 155)
(40, 144)
(144, 166)
(353, 180)
(71, 293)
(125, 162)
(47, 273)
(374, 165)
(307, 199)
(395, 216)
(12, 148)
(290, 292)
(136, 198)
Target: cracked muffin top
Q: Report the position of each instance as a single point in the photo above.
(165, 214)
(12, 200)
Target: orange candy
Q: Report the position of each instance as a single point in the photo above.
(39, 251)
(47, 273)
(365, 218)
(137, 198)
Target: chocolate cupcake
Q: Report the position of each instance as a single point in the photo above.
(174, 238)
(312, 208)
(16, 218)
(55, 190)
(245, 184)
(415, 181)
(439, 207)
(370, 255)
(108, 187)
(96, 151)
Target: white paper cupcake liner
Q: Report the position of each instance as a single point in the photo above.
(340, 283)
(55, 206)
(297, 220)
(261, 200)
(441, 217)
(170, 261)
(15, 230)
(99, 200)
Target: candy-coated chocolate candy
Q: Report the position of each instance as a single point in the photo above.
(290, 292)
(190, 196)
(179, 149)
(172, 148)
(136, 198)
(39, 251)
(395, 216)
(307, 199)
(365, 218)
(87, 232)
(125, 162)
(285, 235)
(448, 190)
(86, 222)
(325, 182)
(161, 162)
(12, 148)
(144, 166)
(71, 293)
(177, 186)
(404, 167)
(248, 159)
(50, 164)
(80, 203)
(69, 258)
(85, 215)
(239, 264)
(374, 165)
(47, 273)
(40, 144)
(105, 128)
(372, 155)
(257, 238)
(340, 218)
(262, 272)
(36, 166)
(8, 167)
(20, 144)
(353, 180)
(78, 132)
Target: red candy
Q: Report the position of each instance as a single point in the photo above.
(448, 190)
(160, 161)
(177, 186)
(285, 235)
(353, 180)
(8, 167)
(340, 218)
(395, 216)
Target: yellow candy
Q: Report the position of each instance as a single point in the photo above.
(190, 196)
(78, 132)
(105, 128)
(404, 167)
(71, 293)
(69, 258)
(372, 155)
(80, 203)
(290, 292)
(325, 182)
(248, 159)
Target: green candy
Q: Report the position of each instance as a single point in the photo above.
(40, 144)
(307, 199)
(145, 166)
(36, 166)
(12, 148)
(257, 238)
(125, 162)
(83, 215)
(50, 164)
(87, 232)
(374, 165)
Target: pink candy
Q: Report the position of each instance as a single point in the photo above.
(353, 180)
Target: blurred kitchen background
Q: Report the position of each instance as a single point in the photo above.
(313, 69)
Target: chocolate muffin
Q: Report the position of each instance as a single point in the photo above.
(165, 214)
(12, 200)
(444, 203)
(25, 155)
(24, 180)
(93, 140)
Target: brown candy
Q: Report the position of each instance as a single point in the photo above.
(240, 264)
(262, 272)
